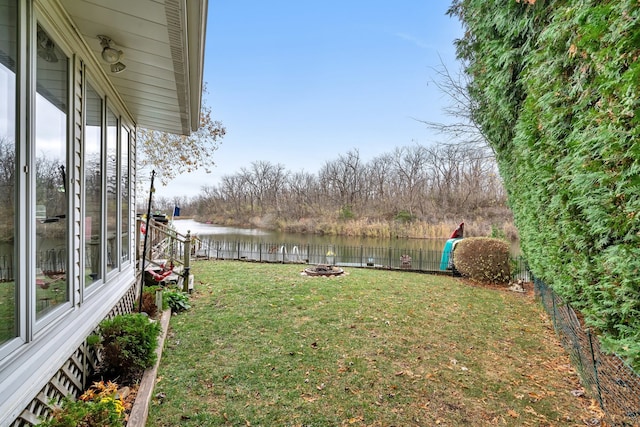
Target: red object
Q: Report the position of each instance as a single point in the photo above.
(159, 277)
(458, 233)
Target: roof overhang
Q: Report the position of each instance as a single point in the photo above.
(163, 50)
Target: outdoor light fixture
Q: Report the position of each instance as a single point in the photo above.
(110, 55)
(118, 67)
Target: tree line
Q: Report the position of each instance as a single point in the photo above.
(425, 183)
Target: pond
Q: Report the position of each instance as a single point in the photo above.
(253, 244)
(211, 232)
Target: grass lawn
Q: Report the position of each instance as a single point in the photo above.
(264, 345)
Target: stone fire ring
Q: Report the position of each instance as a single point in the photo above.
(323, 270)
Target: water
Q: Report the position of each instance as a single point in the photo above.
(212, 232)
(262, 245)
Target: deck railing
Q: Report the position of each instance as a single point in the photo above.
(165, 248)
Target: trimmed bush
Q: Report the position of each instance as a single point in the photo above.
(483, 259)
(128, 342)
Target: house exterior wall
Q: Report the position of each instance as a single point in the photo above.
(51, 310)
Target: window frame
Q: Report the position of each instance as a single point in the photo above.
(20, 298)
(88, 289)
(41, 324)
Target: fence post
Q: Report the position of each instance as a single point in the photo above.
(420, 260)
(361, 255)
(159, 299)
(260, 251)
(390, 258)
(187, 262)
(553, 301)
(187, 249)
(238, 249)
(595, 369)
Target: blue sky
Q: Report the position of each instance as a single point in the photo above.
(301, 82)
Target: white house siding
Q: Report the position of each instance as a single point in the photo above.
(49, 358)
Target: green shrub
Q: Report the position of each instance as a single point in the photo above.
(404, 217)
(176, 300)
(483, 259)
(346, 213)
(98, 406)
(555, 93)
(128, 342)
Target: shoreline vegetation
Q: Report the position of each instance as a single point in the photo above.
(413, 192)
(501, 227)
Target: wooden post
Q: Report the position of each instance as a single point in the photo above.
(187, 261)
(159, 300)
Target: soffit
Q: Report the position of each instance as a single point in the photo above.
(163, 45)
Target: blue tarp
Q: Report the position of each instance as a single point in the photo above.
(445, 261)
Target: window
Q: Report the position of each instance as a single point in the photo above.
(124, 193)
(8, 241)
(50, 152)
(93, 187)
(112, 191)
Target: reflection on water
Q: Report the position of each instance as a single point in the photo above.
(200, 229)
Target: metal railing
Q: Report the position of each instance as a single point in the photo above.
(606, 378)
(419, 260)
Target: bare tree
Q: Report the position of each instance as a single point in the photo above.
(463, 129)
(409, 167)
(343, 179)
(171, 155)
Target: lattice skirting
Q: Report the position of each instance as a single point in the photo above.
(72, 377)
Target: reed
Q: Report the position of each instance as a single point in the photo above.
(391, 229)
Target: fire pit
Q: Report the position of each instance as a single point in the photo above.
(323, 270)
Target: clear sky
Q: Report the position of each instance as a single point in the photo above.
(301, 82)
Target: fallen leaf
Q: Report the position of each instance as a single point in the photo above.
(309, 398)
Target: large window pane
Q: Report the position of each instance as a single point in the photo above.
(112, 191)
(93, 187)
(52, 71)
(124, 192)
(8, 39)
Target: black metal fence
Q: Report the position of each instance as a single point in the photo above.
(419, 260)
(607, 378)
